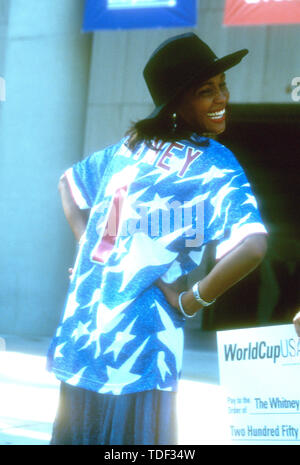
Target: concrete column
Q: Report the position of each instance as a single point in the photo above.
(42, 125)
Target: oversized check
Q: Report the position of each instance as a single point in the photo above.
(260, 374)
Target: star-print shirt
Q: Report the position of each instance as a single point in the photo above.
(151, 212)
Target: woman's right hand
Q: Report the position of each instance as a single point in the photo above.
(170, 291)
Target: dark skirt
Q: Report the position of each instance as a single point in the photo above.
(88, 418)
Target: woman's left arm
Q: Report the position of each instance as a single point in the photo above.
(233, 267)
(76, 217)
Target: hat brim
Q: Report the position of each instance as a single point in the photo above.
(218, 66)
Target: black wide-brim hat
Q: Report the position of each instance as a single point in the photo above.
(180, 62)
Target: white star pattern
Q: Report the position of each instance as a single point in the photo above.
(173, 272)
(207, 177)
(72, 304)
(136, 195)
(80, 330)
(95, 299)
(120, 249)
(171, 336)
(57, 352)
(240, 222)
(158, 203)
(213, 173)
(122, 178)
(225, 222)
(120, 377)
(251, 200)
(164, 241)
(74, 380)
(129, 209)
(162, 366)
(108, 319)
(94, 337)
(142, 247)
(121, 338)
(219, 198)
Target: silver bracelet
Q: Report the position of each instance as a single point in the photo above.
(181, 307)
(199, 299)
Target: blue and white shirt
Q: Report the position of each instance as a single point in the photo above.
(151, 212)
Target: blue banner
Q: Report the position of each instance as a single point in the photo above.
(139, 14)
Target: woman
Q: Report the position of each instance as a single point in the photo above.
(156, 199)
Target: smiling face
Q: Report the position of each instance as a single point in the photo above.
(203, 107)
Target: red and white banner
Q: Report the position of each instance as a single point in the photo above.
(249, 12)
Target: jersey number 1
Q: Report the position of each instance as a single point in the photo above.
(106, 243)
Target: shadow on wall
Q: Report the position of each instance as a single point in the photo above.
(265, 140)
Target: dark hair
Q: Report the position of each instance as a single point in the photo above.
(151, 130)
(167, 126)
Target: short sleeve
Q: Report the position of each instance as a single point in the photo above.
(232, 208)
(84, 178)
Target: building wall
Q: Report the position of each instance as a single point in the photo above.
(118, 95)
(4, 12)
(45, 62)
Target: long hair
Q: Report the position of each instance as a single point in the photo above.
(168, 126)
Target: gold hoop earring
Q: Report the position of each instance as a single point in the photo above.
(174, 122)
